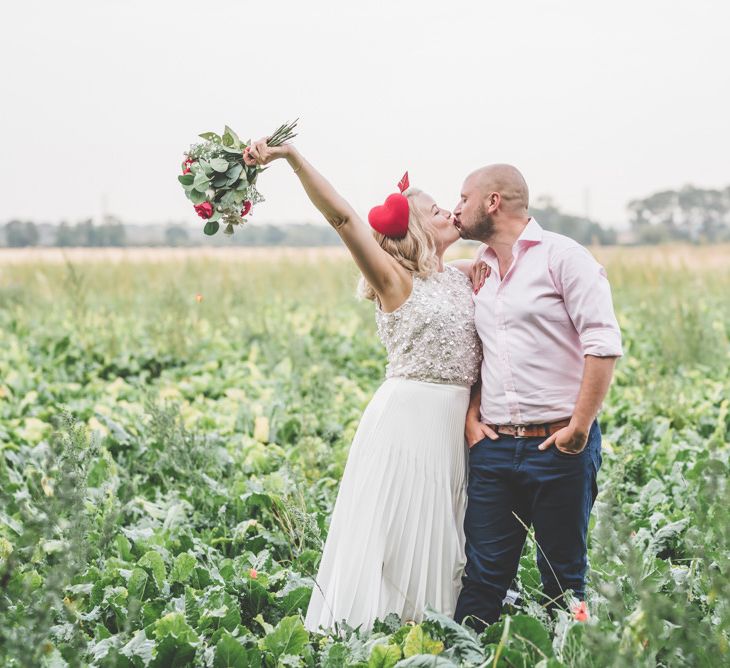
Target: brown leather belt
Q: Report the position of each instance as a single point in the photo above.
(530, 430)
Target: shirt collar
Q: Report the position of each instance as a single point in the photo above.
(532, 234)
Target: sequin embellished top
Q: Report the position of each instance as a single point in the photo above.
(431, 336)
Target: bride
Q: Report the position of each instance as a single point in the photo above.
(396, 541)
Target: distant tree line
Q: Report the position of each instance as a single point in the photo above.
(583, 230)
(18, 234)
(690, 214)
(113, 233)
(252, 234)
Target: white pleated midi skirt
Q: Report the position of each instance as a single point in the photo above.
(396, 537)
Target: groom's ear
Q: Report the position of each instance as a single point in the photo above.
(493, 201)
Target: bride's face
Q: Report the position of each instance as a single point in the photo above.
(439, 221)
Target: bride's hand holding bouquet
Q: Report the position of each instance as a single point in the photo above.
(259, 153)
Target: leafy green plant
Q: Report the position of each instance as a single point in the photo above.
(175, 513)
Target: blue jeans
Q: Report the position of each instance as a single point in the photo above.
(552, 491)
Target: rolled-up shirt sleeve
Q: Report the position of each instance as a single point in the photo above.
(584, 286)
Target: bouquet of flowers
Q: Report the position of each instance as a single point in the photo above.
(220, 185)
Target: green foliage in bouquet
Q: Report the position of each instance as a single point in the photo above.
(216, 180)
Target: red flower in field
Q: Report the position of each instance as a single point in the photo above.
(204, 210)
(186, 165)
(246, 208)
(253, 573)
(198, 298)
(580, 612)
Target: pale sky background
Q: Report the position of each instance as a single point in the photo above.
(613, 100)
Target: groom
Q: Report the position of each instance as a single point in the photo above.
(550, 341)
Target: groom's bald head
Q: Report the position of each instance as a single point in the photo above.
(505, 180)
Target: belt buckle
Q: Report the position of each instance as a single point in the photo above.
(520, 430)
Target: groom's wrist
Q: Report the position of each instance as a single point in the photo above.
(581, 424)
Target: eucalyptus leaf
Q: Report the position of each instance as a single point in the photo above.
(234, 171)
(237, 150)
(211, 227)
(186, 179)
(201, 181)
(197, 197)
(230, 138)
(219, 164)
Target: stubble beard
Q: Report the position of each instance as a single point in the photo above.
(482, 230)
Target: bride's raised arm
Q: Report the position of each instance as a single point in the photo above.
(389, 279)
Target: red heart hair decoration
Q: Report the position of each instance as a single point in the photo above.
(391, 218)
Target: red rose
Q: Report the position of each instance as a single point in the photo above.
(246, 208)
(204, 210)
(186, 165)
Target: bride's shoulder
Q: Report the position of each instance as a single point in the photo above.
(464, 266)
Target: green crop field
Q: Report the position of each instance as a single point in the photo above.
(173, 430)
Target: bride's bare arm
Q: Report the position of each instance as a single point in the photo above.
(464, 266)
(389, 279)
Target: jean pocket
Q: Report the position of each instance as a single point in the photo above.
(477, 444)
(569, 455)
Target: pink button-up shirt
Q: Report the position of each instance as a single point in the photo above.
(552, 308)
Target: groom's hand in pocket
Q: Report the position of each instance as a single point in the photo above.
(570, 440)
(476, 431)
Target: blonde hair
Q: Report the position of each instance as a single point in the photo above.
(416, 251)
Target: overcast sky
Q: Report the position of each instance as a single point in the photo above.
(597, 103)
